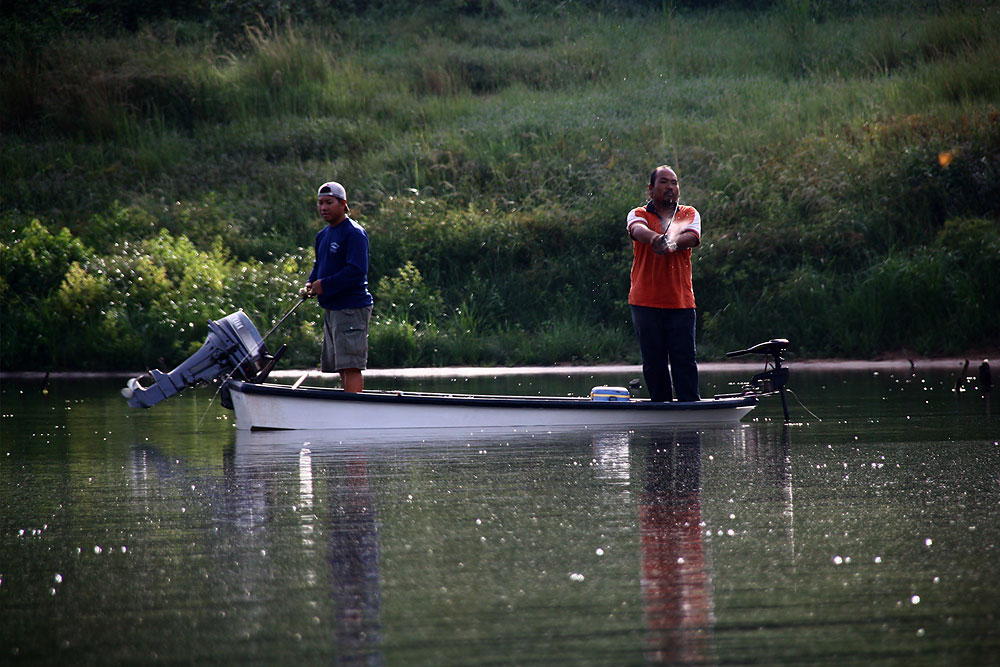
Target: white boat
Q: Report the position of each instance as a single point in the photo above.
(235, 357)
(276, 406)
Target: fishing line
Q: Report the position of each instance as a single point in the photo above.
(802, 404)
(247, 356)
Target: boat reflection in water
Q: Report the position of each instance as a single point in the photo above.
(331, 541)
(245, 507)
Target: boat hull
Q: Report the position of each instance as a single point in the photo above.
(275, 406)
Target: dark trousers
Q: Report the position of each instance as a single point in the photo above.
(666, 342)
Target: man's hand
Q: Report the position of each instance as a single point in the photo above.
(662, 245)
(313, 288)
(659, 245)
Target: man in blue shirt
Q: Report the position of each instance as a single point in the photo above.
(339, 279)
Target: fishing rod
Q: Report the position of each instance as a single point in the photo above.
(303, 296)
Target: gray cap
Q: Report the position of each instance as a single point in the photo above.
(332, 189)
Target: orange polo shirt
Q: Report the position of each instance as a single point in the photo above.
(662, 281)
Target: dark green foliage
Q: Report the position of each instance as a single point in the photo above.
(33, 260)
(845, 161)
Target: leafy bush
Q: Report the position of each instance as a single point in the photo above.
(407, 298)
(840, 155)
(33, 260)
(33, 264)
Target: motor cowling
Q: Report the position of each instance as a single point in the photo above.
(234, 349)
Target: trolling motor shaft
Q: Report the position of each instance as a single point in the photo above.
(772, 379)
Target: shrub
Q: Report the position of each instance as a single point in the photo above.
(407, 298)
(33, 260)
(833, 150)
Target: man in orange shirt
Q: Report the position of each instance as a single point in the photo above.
(663, 233)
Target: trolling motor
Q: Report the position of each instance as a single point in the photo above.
(233, 348)
(774, 377)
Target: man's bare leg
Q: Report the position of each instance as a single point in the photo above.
(352, 380)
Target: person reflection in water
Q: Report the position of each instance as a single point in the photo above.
(354, 565)
(676, 590)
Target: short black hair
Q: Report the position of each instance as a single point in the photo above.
(652, 174)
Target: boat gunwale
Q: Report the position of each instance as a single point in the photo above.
(483, 400)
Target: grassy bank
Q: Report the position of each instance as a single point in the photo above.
(847, 166)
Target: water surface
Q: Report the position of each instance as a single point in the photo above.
(866, 531)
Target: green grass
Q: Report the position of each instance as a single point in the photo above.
(831, 153)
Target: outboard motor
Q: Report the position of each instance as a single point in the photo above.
(233, 348)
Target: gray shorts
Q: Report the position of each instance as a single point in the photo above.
(345, 339)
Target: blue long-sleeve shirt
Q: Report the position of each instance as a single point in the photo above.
(342, 266)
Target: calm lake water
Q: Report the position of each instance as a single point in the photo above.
(867, 532)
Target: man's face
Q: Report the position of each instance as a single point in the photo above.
(665, 188)
(331, 209)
